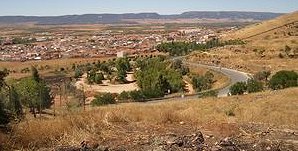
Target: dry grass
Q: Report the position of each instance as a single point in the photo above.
(270, 35)
(263, 47)
(111, 123)
(243, 58)
(221, 80)
(264, 26)
(53, 64)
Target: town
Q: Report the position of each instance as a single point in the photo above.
(53, 45)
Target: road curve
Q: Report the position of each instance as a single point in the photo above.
(234, 75)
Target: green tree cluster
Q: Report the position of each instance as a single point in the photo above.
(250, 86)
(103, 99)
(204, 82)
(283, 79)
(34, 93)
(156, 77)
(10, 105)
(178, 66)
(184, 48)
(19, 40)
(94, 77)
(122, 66)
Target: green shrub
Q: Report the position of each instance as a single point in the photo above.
(204, 82)
(124, 96)
(211, 93)
(103, 99)
(98, 78)
(137, 95)
(283, 79)
(78, 73)
(262, 75)
(254, 86)
(230, 112)
(238, 88)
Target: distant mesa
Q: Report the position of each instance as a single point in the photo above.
(122, 18)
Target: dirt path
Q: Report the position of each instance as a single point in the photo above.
(189, 87)
(107, 86)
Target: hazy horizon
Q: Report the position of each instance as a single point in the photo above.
(163, 7)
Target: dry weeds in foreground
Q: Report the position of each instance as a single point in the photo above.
(111, 123)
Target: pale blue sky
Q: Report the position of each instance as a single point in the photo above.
(69, 7)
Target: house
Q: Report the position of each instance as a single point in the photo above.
(121, 54)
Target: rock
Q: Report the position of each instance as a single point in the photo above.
(193, 142)
(228, 145)
(67, 148)
(84, 146)
(268, 148)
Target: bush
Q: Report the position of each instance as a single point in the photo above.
(238, 88)
(254, 86)
(205, 82)
(4, 117)
(103, 99)
(137, 95)
(98, 78)
(78, 73)
(211, 93)
(124, 96)
(283, 79)
(262, 75)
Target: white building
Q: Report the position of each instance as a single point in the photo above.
(121, 54)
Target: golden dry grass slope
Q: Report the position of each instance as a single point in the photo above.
(129, 124)
(271, 34)
(264, 49)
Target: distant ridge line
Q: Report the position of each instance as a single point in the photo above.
(120, 18)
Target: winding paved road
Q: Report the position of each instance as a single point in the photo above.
(234, 75)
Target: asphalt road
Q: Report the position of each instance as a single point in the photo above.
(234, 76)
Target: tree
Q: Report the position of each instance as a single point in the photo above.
(3, 74)
(98, 78)
(35, 74)
(155, 77)
(262, 75)
(35, 95)
(103, 99)
(283, 79)
(137, 95)
(254, 86)
(238, 88)
(204, 82)
(121, 76)
(287, 50)
(122, 64)
(4, 118)
(123, 96)
(78, 73)
(91, 76)
(10, 105)
(105, 68)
